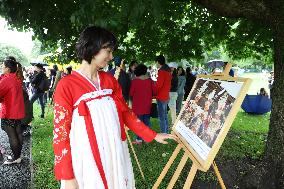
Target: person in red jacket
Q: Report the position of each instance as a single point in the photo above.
(90, 112)
(142, 90)
(163, 87)
(12, 106)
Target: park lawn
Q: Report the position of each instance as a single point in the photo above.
(42, 151)
(246, 139)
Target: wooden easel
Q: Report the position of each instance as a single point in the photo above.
(195, 166)
(225, 72)
(197, 162)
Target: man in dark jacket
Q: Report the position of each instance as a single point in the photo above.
(173, 92)
(163, 87)
(123, 78)
(36, 81)
(190, 79)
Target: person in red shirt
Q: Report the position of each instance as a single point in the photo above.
(12, 106)
(163, 87)
(141, 91)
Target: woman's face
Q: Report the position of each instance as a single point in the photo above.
(133, 67)
(207, 104)
(179, 71)
(102, 58)
(158, 65)
(5, 70)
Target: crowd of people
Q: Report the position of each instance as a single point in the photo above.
(20, 87)
(168, 83)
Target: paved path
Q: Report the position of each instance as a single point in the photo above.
(15, 176)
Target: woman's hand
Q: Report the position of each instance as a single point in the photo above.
(69, 184)
(162, 137)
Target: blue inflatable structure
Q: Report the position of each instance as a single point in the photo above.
(256, 104)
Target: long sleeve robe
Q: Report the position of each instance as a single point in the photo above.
(89, 127)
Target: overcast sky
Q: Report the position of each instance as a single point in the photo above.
(21, 40)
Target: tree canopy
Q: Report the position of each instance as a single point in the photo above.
(179, 29)
(8, 50)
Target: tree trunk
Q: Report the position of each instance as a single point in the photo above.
(274, 152)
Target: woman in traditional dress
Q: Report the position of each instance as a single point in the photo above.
(89, 115)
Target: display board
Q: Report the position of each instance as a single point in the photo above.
(207, 115)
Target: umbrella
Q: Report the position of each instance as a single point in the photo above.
(34, 62)
(215, 63)
(256, 104)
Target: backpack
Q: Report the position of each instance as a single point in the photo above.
(44, 84)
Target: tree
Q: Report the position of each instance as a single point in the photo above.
(7, 50)
(157, 26)
(36, 50)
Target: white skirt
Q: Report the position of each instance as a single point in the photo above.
(114, 152)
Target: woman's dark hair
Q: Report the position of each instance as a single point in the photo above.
(160, 59)
(263, 92)
(11, 58)
(92, 40)
(141, 69)
(55, 67)
(182, 70)
(188, 71)
(132, 63)
(69, 70)
(14, 66)
(39, 65)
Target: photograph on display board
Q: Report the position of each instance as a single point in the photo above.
(205, 112)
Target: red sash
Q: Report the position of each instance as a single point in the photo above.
(83, 110)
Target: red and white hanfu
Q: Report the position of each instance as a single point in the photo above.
(89, 137)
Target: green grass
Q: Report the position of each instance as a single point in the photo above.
(246, 138)
(42, 151)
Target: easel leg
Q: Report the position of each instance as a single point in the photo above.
(190, 177)
(134, 154)
(166, 168)
(178, 171)
(218, 175)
